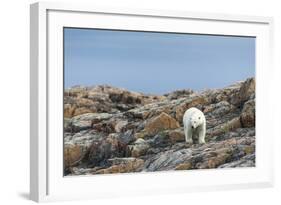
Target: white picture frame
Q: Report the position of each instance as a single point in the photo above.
(46, 176)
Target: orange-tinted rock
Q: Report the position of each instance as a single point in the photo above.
(246, 90)
(125, 165)
(68, 110)
(159, 123)
(72, 153)
(184, 166)
(176, 135)
(248, 114)
(81, 110)
(139, 148)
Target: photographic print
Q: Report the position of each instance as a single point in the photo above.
(138, 101)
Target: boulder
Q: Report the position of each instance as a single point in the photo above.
(85, 121)
(167, 138)
(76, 146)
(120, 125)
(224, 128)
(67, 124)
(217, 109)
(127, 137)
(83, 138)
(71, 154)
(160, 140)
(168, 160)
(122, 165)
(159, 123)
(176, 135)
(139, 148)
(179, 94)
(246, 161)
(68, 110)
(82, 110)
(184, 166)
(245, 92)
(125, 97)
(107, 148)
(248, 114)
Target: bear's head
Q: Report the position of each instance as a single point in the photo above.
(196, 120)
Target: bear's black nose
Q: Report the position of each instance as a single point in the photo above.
(192, 127)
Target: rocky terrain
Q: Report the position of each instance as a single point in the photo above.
(112, 130)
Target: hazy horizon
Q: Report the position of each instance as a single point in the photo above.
(155, 63)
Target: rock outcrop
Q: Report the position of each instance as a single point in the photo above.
(111, 130)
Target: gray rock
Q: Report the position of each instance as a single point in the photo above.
(127, 137)
(83, 138)
(246, 161)
(248, 116)
(125, 131)
(85, 121)
(167, 160)
(101, 150)
(122, 165)
(139, 148)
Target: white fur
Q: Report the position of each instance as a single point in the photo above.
(194, 123)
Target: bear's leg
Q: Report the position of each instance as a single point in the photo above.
(201, 135)
(188, 135)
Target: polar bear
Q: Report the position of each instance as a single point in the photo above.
(194, 123)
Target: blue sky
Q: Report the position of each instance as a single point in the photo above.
(155, 63)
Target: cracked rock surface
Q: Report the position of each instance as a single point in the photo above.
(112, 130)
